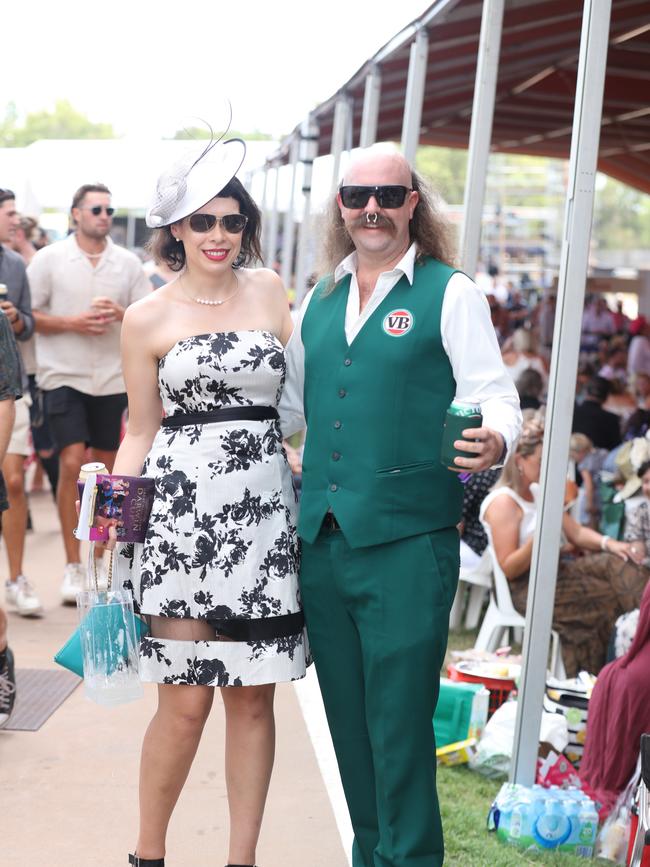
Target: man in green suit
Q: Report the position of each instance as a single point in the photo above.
(381, 348)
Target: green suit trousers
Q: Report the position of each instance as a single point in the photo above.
(377, 619)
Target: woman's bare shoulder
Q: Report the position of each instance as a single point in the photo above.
(147, 311)
(502, 507)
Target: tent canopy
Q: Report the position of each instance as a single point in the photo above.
(535, 89)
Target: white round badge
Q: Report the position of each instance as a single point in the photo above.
(398, 322)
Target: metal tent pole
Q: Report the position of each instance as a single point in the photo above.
(264, 207)
(370, 114)
(272, 237)
(564, 363)
(342, 111)
(289, 226)
(309, 133)
(480, 135)
(414, 95)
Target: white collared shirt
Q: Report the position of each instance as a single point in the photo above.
(64, 283)
(468, 338)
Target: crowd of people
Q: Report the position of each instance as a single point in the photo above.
(209, 347)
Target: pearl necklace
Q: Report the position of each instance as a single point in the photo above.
(216, 302)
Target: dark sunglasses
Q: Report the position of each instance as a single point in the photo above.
(97, 209)
(387, 196)
(232, 223)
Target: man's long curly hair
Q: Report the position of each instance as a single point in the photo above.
(429, 228)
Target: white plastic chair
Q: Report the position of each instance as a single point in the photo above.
(501, 615)
(480, 580)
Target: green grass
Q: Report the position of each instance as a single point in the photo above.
(465, 799)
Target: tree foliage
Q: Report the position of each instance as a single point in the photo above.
(63, 122)
(198, 132)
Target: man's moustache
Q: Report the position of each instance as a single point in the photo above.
(373, 219)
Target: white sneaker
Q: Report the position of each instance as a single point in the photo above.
(74, 581)
(21, 594)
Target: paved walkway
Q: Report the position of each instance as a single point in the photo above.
(69, 790)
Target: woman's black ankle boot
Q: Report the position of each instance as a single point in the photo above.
(146, 862)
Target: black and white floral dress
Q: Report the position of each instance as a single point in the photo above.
(221, 549)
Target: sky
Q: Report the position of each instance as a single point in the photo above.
(149, 66)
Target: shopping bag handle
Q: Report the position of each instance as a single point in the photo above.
(109, 583)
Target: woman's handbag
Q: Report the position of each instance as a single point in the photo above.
(104, 647)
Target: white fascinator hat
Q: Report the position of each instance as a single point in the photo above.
(194, 179)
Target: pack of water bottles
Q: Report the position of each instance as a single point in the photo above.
(536, 818)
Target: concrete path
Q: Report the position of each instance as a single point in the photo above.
(69, 791)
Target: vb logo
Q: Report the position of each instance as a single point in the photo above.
(398, 322)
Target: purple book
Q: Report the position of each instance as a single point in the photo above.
(123, 502)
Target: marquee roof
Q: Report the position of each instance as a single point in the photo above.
(536, 83)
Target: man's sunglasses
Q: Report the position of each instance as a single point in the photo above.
(387, 196)
(97, 209)
(231, 223)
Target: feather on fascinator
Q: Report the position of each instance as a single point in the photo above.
(194, 179)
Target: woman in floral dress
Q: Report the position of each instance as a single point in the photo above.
(216, 577)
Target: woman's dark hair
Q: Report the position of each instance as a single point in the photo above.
(643, 469)
(164, 247)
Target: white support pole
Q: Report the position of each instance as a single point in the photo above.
(264, 206)
(308, 152)
(564, 362)
(415, 95)
(130, 230)
(480, 135)
(339, 136)
(289, 226)
(370, 115)
(272, 238)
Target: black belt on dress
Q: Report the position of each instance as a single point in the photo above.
(225, 413)
(259, 629)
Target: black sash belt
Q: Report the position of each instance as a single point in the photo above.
(261, 629)
(226, 413)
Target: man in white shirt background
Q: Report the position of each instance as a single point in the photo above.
(81, 287)
(380, 349)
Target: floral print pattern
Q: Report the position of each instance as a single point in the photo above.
(221, 542)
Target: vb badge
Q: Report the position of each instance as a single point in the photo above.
(398, 323)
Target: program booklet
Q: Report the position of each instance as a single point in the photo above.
(123, 502)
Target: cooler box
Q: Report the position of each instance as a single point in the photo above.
(572, 703)
(461, 712)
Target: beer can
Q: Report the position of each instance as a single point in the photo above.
(460, 416)
(4, 291)
(87, 470)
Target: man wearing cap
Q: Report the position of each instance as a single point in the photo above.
(383, 345)
(81, 287)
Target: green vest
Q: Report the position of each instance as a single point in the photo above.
(375, 412)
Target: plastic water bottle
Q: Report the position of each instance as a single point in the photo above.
(553, 826)
(588, 818)
(520, 819)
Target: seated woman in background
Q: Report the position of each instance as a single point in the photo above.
(619, 713)
(530, 387)
(637, 519)
(520, 354)
(591, 591)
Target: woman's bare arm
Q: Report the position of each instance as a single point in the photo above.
(140, 367)
(504, 517)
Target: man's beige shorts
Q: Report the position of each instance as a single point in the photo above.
(20, 442)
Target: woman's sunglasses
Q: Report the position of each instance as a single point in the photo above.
(387, 196)
(232, 223)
